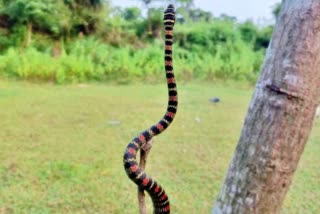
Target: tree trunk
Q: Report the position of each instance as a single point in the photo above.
(280, 116)
(29, 34)
(144, 152)
(149, 22)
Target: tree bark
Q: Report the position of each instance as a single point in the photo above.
(29, 34)
(280, 115)
(149, 22)
(144, 152)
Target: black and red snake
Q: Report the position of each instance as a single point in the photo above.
(135, 173)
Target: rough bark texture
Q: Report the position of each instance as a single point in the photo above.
(280, 116)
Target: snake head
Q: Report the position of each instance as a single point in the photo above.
(169, 15)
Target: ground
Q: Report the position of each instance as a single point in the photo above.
(61, 147)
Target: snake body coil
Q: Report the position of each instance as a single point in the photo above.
(135, 173)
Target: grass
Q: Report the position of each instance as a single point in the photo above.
(61, 148)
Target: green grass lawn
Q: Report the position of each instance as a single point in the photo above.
(61, 148)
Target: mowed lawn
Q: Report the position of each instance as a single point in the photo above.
(61, 148)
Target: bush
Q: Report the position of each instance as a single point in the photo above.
(29, 64)
(89, 59)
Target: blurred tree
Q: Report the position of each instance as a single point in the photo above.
(225, 17)
(184, 3)
(131, 13)
(29, 13)
(62, 18)
(87, 15)
(199, 15)
(276, 10)
(248, 31)
(263, 38)
(156, 16)
(89, 3)
(148, 3)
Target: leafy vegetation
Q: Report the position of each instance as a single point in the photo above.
(61, 148)
(78, 41)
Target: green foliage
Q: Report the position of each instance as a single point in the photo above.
(92, 41)
(57, 18)
(23, 11)
(197, 15)
(80, 64)
(131, 13)
(248, 32)
(90, 59)
(30, 64)
(263, 38)
(41, 13)
(276, 9)
(11, 37)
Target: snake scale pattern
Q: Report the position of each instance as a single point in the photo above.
(159, 197)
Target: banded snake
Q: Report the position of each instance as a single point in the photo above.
(159, 197)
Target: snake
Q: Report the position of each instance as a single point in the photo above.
(159, 197)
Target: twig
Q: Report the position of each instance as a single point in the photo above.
(144, 152)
